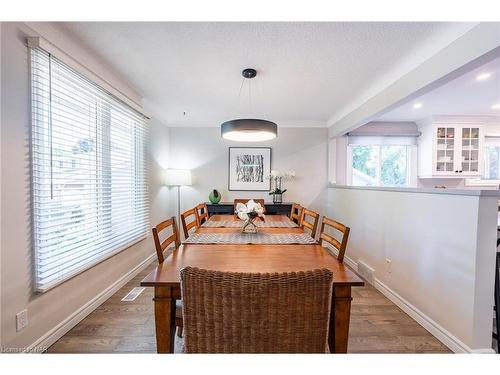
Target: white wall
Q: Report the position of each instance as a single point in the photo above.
(49, 311)
(204, 152)
(442, 248)
(1, 217)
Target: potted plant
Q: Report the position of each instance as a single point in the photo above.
(277, 178)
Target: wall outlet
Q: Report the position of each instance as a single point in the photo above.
(21, 320)
(388, 265)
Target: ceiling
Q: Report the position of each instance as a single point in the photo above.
(190, 73)
(465, 95)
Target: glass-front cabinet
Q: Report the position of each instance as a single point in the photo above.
(457, 150)
(470, 150)
(445, 157)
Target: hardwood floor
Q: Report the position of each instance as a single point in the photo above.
(377, 326)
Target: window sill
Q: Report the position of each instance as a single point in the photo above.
(472, 192)
(92, 264)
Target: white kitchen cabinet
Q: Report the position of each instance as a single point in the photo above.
(450, 150)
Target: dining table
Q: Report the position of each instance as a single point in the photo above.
(250, 258)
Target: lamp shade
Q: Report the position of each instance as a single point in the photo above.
(249, 130)
(178, 177)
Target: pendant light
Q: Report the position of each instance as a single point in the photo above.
(249, 130)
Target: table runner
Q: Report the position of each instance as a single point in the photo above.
(259, 223)
(251, 238)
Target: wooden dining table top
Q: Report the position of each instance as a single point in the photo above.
(252, 258)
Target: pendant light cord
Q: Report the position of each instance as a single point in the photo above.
(250, 95)
(241, 87)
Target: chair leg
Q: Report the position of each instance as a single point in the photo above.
(179, 331)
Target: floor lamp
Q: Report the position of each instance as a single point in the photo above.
(178, 177)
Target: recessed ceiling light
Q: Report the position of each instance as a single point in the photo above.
(417, 105)
(483, 76)
(495, 106)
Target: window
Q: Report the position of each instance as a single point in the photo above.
(88, 172)
(491, 165)
(379, 166)
(381, 161)
(492, 159)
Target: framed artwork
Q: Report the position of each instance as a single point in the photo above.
(248, 168)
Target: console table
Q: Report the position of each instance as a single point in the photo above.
(227, 208)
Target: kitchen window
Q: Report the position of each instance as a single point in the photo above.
(492, 159)
(381, 161)
(491, 165)
(89, 188)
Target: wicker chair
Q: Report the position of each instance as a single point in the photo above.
(227, 312)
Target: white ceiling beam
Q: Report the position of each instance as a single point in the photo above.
(475, 48)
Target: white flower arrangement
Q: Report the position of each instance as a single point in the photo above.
(251, 210)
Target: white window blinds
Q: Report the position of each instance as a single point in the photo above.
(88, 172)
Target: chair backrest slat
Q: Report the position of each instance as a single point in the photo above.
(202, 213)
(339, 245)
(193, 223)
(296, 213)
(168, 241)
(312, 226)
(264, 313)
(331, 240)
(173, 238)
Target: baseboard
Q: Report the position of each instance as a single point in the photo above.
(484, 351)
(351, 263)
(67, 324)
(443, 335)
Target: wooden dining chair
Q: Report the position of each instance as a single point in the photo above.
(202, 212)
(161, 246)
(310, 220)
(340, 246)
(296, 213)
(189, 221)
(244, 201)
(228, 312)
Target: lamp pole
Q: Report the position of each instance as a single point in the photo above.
(178, 178)
(178, 205)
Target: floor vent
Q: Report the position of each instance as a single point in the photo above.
(365, 271)
(133, 294)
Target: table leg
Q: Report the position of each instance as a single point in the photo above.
(164, 319)
(339, 319)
